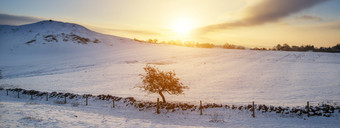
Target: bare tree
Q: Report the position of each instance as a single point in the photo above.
(156, 81)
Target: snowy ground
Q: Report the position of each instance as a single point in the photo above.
(213, 75)
(113, 67)
(24, 112)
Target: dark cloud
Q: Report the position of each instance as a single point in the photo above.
(265, 12)
(309, 17)
(6, 19)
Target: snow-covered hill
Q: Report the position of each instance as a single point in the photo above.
(50, 35)
(57, 56)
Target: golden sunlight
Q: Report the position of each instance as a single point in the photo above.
(182, 26)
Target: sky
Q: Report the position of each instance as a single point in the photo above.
(251, 23)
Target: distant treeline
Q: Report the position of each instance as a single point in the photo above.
(191, 44)
(279, 47)
(286, 47)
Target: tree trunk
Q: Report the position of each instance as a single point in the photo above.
(163, 98)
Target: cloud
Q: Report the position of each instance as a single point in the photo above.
(332, 25)
(264, 12)
(139, 32)
(309, 17)
(7, 19)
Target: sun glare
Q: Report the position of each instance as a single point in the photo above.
(182, 26)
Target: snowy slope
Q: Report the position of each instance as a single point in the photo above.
(112, 66)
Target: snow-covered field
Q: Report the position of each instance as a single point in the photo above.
(43, 56)
(24, 112)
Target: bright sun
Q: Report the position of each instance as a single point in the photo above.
(182, 26)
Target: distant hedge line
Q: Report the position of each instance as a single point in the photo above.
(278, 47)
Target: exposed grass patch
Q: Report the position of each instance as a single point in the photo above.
(216, 118)
(30, 118)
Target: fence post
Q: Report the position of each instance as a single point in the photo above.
(253, 109)
(157, 111)
(201, 107)
(113, 103)
(6, 92)
(18, 95)
(86, 99)
(65, 100)
(46, 96)
(307, 108)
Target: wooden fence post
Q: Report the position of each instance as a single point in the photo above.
(201, 107)
(157, 111)
(18, 95)
(86, 100)
(113, 103)
(65, 100)
(253, 109)
(46, 96)
(307, 108)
